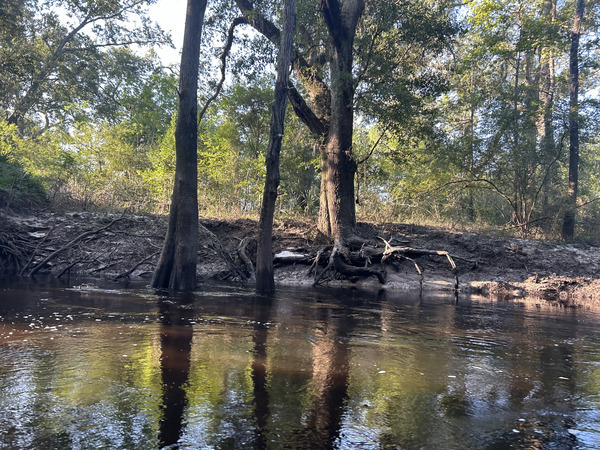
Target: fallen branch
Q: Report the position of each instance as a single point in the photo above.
(391, 251)
(84, 235)
(244, 257)
(35, 251)
(130, 271)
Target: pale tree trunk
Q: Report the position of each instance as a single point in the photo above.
(176, 267)
(545, 124)
(568, 230)
(341, 19)
(471, 158)
(323, 223)
(265, 283)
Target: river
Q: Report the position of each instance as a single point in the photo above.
(83, 366)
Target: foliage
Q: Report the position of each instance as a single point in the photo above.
(18, 188)
(60, 54)
(462, 112)
(158, 177)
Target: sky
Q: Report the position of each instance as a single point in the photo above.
(170, 15)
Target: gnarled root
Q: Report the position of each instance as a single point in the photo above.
(403, 252)
(339, 255)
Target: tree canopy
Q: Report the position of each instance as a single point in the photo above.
(432, 111)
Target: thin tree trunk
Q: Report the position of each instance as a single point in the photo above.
(176, 267)
(516, 142)
(545, 123)
(568, 230)
(471, 160)
(265, 283)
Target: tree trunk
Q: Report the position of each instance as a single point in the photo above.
(176, 267)
(340, 166)
(568, 230)
(265, 283)
(323, 223)
(545, 124)
(331, 116)
(471, 158)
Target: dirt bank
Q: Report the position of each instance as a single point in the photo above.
(121, 246)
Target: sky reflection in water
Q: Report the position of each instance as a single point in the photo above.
(102, 368)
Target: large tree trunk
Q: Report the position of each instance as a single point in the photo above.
(568, 230)
(340, 167)
(176, 267)
(331, 114)
(265, 283)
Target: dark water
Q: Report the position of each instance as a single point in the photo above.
(132, 368)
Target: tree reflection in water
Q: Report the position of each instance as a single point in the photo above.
(176, 335)
(330, 375)
(321, 421)
(262, 314)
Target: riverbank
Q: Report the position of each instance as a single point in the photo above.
(120, 246)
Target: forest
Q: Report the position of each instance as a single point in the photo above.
(480, 115)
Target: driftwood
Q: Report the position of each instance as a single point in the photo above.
(244, 257)
(67, 246)
(138, 264)
(404, 251)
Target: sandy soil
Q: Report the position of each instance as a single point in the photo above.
(120, 246)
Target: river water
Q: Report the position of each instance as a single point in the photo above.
(89, 367)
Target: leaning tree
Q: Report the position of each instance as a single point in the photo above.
(265, 283)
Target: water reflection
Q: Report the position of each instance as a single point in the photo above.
(304, 369)
(330, 374)
(262, 317)
(176, 333)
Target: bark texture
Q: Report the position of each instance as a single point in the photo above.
(330, 113)
(176, 269)
(265, 283)
(339, 167)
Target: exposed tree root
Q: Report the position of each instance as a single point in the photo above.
(69, 267)
(337, 260)
(244, 257)
(218, 247)
(82, 236)
(354, 265)
(89, 244)
(35, 251)
(127, 273)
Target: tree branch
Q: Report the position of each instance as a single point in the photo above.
(226, 49)
(52, 255)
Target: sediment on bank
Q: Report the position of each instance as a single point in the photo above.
(127, 246)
